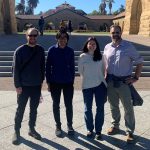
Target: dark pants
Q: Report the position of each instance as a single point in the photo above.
(41, 29)
(100, 93)
(68, 91)
(32, 92)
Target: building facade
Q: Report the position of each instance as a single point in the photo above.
(135, 20)
(65, 12)
(137, 17)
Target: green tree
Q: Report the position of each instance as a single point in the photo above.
(110, 5)
(20, 9)
(121, 9)
(28, 11)
(94, 12)
(102, 7)
(22, 2)
(32, 4)
(116, 12)
(40, 13)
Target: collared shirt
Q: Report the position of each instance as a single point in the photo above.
(119, 60)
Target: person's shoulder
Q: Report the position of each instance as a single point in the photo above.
(52, 48)
(127, 43)
(124, 42)
(20, 48)
(40, 46)
(83, 55)
(108, 45)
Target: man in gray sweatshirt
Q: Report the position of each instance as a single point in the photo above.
(28, 73)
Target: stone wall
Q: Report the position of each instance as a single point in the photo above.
(7, 17)
(13, 16)
(68, 15)
(1, 18)
(76, 19)
(137, 19)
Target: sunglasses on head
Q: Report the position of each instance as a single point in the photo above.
(32, 35)
(115, 32)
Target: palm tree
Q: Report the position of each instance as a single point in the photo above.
(121, 9)
(28, 11)
(102, 7)
(22, 2)
(20, 9)
(32, 4)
(110, 5)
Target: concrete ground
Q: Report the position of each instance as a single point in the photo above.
(7, 84)
(46, 126)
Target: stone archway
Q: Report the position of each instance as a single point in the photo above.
(137, 17)
(7, 17)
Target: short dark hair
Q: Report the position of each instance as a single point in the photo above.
(97, 53)
(116, 26)
(59, 34)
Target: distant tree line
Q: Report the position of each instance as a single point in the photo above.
(102, 8)
(26, 7)
(23, 9)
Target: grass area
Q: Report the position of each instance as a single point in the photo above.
(75, 33)
(90, 33)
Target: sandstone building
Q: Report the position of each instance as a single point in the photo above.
(137, 17)
(7, 17)
(66, 12)
(135, 20)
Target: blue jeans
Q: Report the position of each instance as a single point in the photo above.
(68, 91)
(100, 94)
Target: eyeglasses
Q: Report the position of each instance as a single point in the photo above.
(115, 33)
(33, 35)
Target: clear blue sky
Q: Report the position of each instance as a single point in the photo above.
(86, 5)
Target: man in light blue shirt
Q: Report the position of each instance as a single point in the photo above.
(119, 56)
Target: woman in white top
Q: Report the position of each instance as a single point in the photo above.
(91, 70)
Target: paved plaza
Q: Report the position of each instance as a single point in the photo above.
(46, 126)
(45, 121)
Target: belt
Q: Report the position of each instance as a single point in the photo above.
(117, 78)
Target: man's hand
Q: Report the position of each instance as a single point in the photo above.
(19, 90)
(131, 80)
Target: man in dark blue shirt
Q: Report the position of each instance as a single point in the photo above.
(60, 73)
(41, 25)
(28, 73)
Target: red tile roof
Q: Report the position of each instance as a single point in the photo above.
(121, 15)
(106, 17)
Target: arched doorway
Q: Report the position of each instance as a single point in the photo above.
(82, 26)
(136, 10)
(137, 17)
